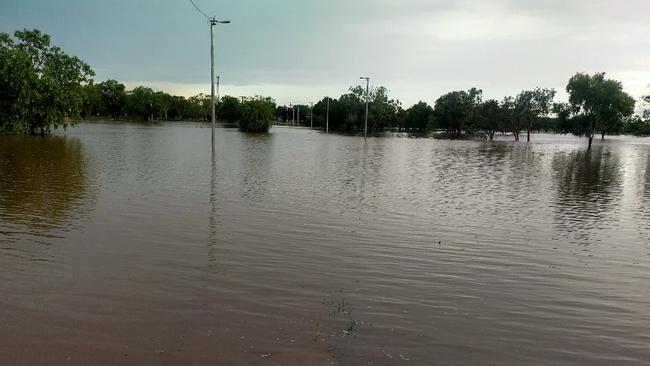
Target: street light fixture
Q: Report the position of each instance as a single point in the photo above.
(365, 126)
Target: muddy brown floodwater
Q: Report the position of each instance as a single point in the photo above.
(127, 244)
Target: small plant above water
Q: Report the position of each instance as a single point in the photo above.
(337, 307)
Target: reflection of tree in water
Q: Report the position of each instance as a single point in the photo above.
(588, 185)
(43, 182)
(256, 163)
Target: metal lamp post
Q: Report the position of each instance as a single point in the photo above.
(365, 126)
(327, 118)
(213, 21)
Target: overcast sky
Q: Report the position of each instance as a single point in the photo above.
(299, 51)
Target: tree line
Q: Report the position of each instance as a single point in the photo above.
(596, 105)
(42, 88)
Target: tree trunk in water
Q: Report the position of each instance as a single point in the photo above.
(516, 136)
(591, 139)
(603, 137)
(530, 127)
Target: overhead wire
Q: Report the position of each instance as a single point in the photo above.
(199, 9)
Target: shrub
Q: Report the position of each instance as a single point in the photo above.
(257, 115)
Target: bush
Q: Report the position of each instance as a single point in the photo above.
(257, 115)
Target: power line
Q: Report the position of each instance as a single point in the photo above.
(199, 10)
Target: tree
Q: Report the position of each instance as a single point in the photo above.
(229, 108)
(92, 103)
(456, 112)
(257, 114)
(41, 87)
(382, 111)
(490, 118)
(530, 105)
(141, 102)
(162, 104)
(511, 121)
(419, 117)
(596, 104)
(637, 126)
(199, 106)
(349, 113)
(646, 112)
(113, 95)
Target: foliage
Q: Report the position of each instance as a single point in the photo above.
(490, 119)
(113, 96)
(457, 112)
(419, 118)
(140, 103)
(596, 104)
(637, 126)
(257, 114)
(92, 103)
(530, 105)
(41, 87)
(646, 112)
(230, 108)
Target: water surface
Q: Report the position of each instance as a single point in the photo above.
(127, 244)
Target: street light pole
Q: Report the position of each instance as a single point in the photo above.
(327, 119)
(365, 126)
(213, 21)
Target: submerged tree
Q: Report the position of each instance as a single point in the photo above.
(257, 114)
(511, 122)
(419, 118)
(490, 118)
(530, 105)
(41, 87)
(456, 112)
(596, 104)
(229, 109)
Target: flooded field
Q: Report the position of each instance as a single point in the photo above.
(128, 244)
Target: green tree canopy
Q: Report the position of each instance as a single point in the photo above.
(141, 103)
(257, 114)
(596, 104)
(419, 117)
(456, 112)
(490, 118)
(113, 96)
(92, 104)
(41, 87)
(229, 108)
(530, 105)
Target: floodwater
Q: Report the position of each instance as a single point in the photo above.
(128, 244)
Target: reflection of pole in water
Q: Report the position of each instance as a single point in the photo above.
(212, 226)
